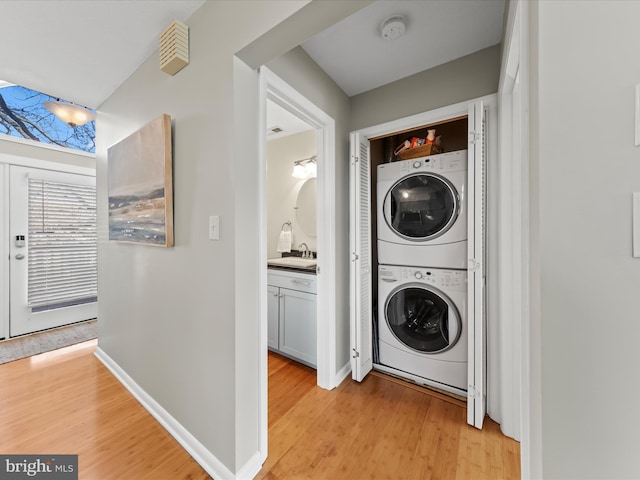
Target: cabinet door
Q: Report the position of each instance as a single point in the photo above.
(298, 325)
(273, 307)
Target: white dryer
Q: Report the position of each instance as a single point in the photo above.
(422, 211)
(422, 325)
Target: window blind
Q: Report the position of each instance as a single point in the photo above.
(62, 243)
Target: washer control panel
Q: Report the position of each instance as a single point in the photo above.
(443, 279)
(451, 279)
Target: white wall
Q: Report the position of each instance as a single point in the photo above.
(282, 188)
(587, 166)
(178, 320)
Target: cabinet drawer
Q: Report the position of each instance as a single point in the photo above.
(302, 282)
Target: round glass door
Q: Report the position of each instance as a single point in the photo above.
(421, 206)
(422, 319)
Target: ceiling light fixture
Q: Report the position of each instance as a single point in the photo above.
(305, 168)
(70, 113)
(393, 28)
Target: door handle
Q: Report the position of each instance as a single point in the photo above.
(19, 256)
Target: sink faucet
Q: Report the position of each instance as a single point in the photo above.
(305, 251)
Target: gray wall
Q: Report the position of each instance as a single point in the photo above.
(463, 79)
(181, 321)
(587, 167)
(302, 73)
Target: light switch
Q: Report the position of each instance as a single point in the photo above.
(636, 224)
(637, 129)
(214, 227)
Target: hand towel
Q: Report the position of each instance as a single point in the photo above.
(284, 241)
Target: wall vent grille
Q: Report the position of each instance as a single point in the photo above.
(174, 48)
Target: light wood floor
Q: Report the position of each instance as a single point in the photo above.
(377, 429)
(66, 401)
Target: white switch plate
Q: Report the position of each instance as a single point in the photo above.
(214, 227)
(637, 114)
(636, 224)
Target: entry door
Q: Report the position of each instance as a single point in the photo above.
(53, 249)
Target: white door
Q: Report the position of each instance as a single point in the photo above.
(476, 389)
(360, 247)
(53, 249)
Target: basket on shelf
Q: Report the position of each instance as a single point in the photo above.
(421, 151)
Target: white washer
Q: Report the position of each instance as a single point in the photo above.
(422, 324)
(422, 211)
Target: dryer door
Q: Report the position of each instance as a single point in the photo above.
(421, 207)
(424, 320)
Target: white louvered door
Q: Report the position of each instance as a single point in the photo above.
(476, 279)
(360, 249)
(53, 276)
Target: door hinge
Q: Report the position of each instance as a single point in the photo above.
(354, 256)
(473, 392)
(356, 353)
(474, 265)
(474, 137)
(355, 159)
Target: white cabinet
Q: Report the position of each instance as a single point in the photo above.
(292, 326)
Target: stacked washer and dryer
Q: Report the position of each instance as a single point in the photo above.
(422, 261)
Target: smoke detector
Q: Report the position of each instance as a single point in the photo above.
(393, 28)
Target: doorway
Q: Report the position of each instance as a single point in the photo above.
(53, 249)
(274, 89)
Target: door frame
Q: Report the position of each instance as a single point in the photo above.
(5, 161)
(442, 114)
(519, 337)
(277, 90)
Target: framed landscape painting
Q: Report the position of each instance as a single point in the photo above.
(140, 186)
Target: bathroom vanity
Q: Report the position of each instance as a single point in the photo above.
(291, 293)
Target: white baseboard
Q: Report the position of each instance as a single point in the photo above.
(342, 374)
(251, 468)
(199, 452)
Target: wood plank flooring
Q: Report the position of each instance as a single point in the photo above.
(377, 429)
(66, 401)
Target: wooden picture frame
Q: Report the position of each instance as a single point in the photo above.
(140, 186)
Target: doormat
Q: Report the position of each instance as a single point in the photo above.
(35, 343)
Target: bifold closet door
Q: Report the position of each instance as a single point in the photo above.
(53, 249)
(360, 246)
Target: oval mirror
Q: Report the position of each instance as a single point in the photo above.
(306, 207)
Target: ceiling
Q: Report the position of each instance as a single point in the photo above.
(82, 51)
(356, 56)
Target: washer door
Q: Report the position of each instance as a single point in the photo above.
(421, 206)
(423, 319)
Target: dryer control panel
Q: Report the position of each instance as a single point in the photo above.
(455, 280)
(443, 163)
